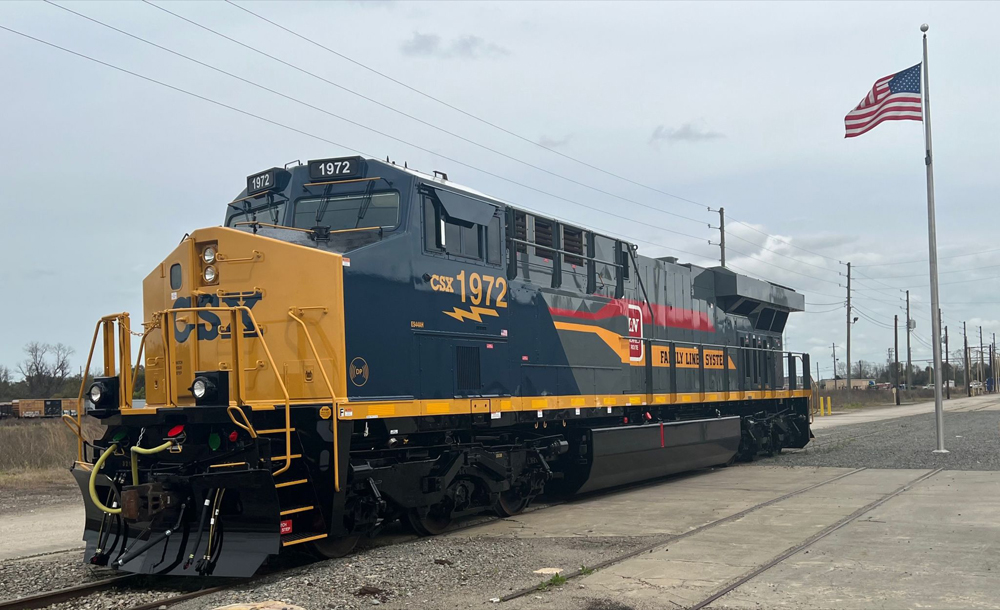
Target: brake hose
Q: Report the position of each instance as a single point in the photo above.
(136, 451)
(92, 487)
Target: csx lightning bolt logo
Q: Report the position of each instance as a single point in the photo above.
(474, 313)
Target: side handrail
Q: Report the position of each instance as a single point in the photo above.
(76, 430)
(236, 333)
(246, 426)
(103, 322)
(329, 387)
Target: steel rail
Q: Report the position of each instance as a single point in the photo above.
(811, 540)
(47, 598)
(675, 538)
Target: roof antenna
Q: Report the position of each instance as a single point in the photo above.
(405, 166)
(387, 158)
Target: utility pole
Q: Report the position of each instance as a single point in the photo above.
(722, 234)
(982, 376)
(848, 327)
(947, 368)
(834, 345)
(908, 354)
(895, 320)
(968, 381)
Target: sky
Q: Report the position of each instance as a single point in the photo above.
(642, 115)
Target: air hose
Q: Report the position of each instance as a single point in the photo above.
(136, 451)
(93, 481)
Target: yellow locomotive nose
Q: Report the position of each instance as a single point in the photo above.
(230, 303)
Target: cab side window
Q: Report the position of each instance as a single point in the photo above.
(461, 226)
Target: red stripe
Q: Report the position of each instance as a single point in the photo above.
(664, 315)
(879, 120)
(885, 113)
(888, 103)
(662, 444)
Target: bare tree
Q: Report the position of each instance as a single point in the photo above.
(45, 369)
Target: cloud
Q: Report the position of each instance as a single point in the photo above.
(688, 132)
(548, 142)
(465, 47)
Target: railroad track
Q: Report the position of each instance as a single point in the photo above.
(746, 577)
(47, 598)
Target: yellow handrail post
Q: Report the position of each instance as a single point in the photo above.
(83, 388)
(333, 397)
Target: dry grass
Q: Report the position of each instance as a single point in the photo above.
(38, 452)
(857, 399)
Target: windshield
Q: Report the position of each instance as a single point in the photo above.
(348, 212)
(270, 215)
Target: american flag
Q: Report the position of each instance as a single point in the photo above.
(893, 98)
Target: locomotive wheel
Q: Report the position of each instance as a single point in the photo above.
(332, 548)
(430, 524)
(510, 503)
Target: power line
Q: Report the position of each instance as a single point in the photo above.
(751, 257)
(373, 130)
(296, 130)
(464, 112)
(381, 104)
(784, 241)
(361, 125)
(827, 269)
(498, 127)
(924, 260)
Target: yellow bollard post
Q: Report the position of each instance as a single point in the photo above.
(829, 405)
(821, 414)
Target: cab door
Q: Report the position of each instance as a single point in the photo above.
(465, 297)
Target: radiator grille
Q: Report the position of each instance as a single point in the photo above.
(467, 369)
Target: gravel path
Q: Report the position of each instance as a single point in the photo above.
(15, 500)
(457, 571)
(972, 438)
(28, 576)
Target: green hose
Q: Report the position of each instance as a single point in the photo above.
(93, 481)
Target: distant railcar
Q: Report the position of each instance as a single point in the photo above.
(363, 343)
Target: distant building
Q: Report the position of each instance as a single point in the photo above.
(841, 384)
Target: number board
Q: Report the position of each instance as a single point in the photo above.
(263, 182)
(335, 169)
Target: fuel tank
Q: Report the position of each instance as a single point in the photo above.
(626, 454)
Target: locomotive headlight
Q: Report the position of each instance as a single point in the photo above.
(103, 393)
(199, 388)
(210, 274)
(208, 255)
(96, 393)
(210, 388)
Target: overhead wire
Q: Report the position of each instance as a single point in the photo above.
(379, 132)
(395, 110)
(924, 260)
(464, 112)
(315, 136)
(493, 125)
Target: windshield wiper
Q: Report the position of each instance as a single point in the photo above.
(365, 204)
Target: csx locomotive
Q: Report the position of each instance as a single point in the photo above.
(363, 343)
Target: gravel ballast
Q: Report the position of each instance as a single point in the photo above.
(971, 438)
(446, 572)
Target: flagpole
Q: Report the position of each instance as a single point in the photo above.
(932, 247)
